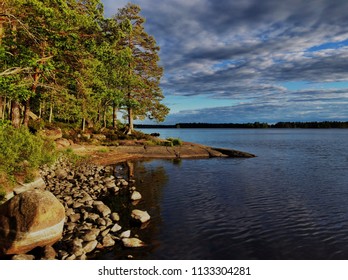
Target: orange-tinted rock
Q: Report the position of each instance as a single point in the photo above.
(31, 219)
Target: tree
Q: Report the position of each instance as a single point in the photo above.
(141, 83)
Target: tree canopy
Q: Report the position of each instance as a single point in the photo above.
(62, 60)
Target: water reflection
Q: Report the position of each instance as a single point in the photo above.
(149, 180)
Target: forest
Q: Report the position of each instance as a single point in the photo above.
(62, 61)
(324, 124)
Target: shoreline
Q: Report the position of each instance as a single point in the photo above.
(129, 150)
(91, 226)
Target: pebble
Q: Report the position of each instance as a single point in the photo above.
(90, 246)
(23, 257)
(125, 234)
(116, 228)
(90, 224)
(115, 217)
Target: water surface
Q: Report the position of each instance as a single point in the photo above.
(290, 202)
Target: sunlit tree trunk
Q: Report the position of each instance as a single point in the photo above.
(130, 121)
(15, 114)
(1, 107)
(114, 115)
(51, 113)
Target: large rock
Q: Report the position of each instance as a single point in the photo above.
(52, 134)
(141, 216)
(132, 242)
(31, 219)
(62, 143)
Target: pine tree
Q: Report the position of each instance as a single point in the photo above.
(143, 73)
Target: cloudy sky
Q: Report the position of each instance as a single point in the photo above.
(250, 60)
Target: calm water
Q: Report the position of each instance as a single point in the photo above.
(291, 202)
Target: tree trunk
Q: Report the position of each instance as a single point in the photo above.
(1, 31)
(51, 113)
(15, 114)
(26, 113)
(1, 106)
(114, 115)
(104, 117)
(83, 124)
(130, 121)
(40, 110)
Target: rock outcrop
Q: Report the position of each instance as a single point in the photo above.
(31, 219)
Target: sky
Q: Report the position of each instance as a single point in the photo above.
(239, 61)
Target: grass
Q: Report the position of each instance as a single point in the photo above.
(173, 142)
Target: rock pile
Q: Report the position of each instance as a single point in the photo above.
(90, 225)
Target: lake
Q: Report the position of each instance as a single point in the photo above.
(290, 202)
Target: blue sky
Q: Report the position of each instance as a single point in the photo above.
(250, 60)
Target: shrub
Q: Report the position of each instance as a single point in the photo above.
(22, 151)
(173, 142)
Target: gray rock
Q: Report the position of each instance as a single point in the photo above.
(61, 173)
(135, 196)
(85, 198)
(100, 222)
(74, 217)
(89, 236)
(69, 212)
(90, 246)
(93, 216)
(77, 205)
(115, 217)
(82, 257)
(125, 234)
(132, 242)
(71, 257)
(116, 228)
(23, 257)
(108, 241)
(105, 232)
(49, 253)
(140, 215)
(78, 251)
(38, 223)
(110, 184)
(103, 209)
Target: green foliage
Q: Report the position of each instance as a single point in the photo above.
(173, 142)
(72, 157)
(21, 151)
(65, 62)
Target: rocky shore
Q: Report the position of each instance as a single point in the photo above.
(91, 225)
(132, 150)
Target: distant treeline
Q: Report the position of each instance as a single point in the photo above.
(325, 124)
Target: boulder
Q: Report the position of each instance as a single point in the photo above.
(99, 137)
(31, 219)
(132, 242)
(141, 216)
(136, 195)
(38, 183)
(62, 143)
(52, 134)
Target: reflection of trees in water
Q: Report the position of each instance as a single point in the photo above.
(149, 178)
